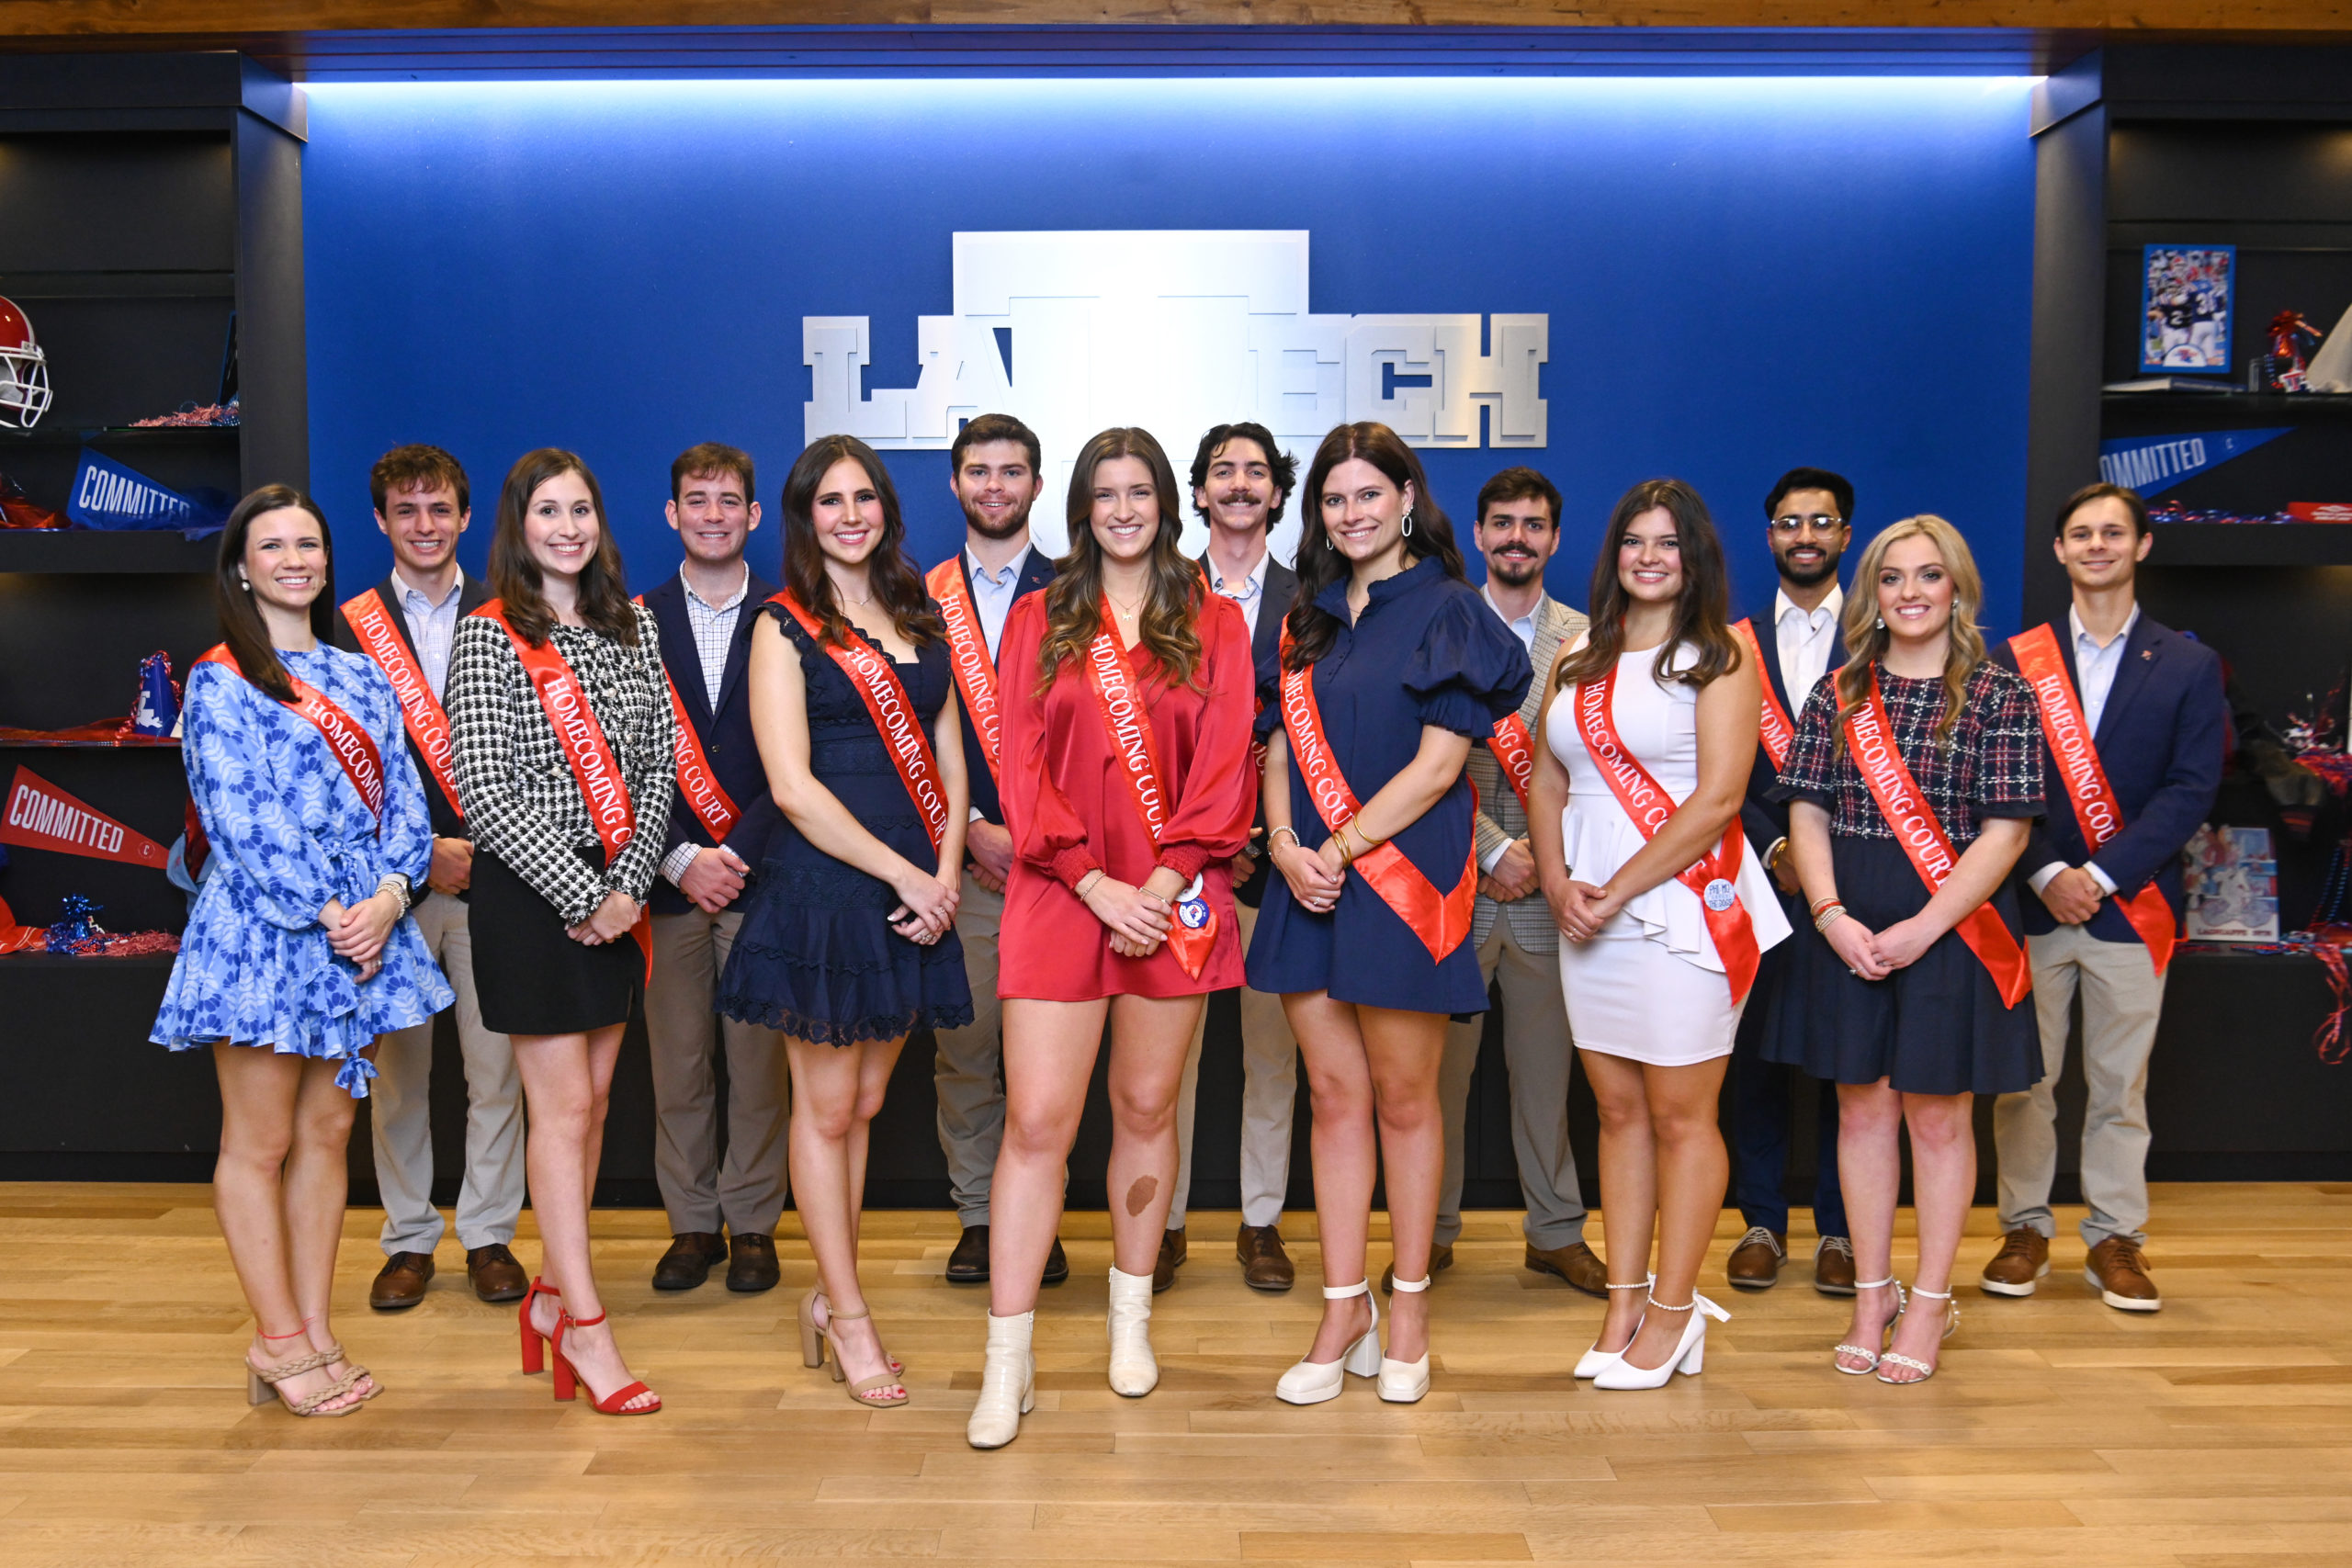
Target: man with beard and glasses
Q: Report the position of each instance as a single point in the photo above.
(1240, 480)
(993, 470)
(1808, 523)
(1517, 940)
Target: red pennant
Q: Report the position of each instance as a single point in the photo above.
(39, 816)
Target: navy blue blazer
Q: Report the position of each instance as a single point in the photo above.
(1275, 595)
(726, 735)
(2160, 737)
(1036, 572)
(1765, 820)
(472, 594)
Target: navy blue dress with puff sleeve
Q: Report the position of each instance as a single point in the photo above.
(1426, 651)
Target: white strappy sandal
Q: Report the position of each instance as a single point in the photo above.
(1869, 1353)
(1952, 1322)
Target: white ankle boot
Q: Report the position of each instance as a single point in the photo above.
(1135, 1370)
(1008, 1382)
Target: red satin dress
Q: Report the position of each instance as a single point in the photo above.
(1070, 811)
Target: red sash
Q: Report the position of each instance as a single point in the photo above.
(697, 783)
(420, 711)
(967, 655)
(2097, 811)
(1515, 754)
(1716, 878)
(1775, 729)
(362, 764)
(589, 754)
(1872, 740)
(1126, 722)
(894, 716)
(1441, 920)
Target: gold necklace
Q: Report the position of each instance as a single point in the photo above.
(1131, 611)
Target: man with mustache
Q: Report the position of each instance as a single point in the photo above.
(713, 849)
(1517, 940)
(1241, 479)
(1808, 524)
(423, 506)
(994, 471)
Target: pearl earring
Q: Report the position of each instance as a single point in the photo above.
(1882, 623)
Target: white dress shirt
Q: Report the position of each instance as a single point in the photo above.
(1248, 591)
(431, 627)
(1807, 638)
(992, 596)
(2095, 668)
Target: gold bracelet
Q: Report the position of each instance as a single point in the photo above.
(1086, 883)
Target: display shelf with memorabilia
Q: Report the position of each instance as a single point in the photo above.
(151, 260)
(2188, 203)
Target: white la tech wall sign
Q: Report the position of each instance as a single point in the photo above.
(1175, 331)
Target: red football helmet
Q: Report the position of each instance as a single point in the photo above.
(24, 370)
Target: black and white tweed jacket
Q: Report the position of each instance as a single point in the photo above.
(520, 799)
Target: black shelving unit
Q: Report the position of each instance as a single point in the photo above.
(146, 202)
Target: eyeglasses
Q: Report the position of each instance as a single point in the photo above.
(1818, 522)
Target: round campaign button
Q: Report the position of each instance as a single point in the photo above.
(1190, 907)
(1719, 896)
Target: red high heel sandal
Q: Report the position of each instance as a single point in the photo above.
(532, 1338)
(568, 1381)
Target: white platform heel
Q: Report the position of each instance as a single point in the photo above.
(1312, 1382)
(1008, 1382)
(1595, 1362)
(1689, 1357)
(1135, 1370)
(1404, 1383)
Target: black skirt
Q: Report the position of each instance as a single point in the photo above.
(530, 977)
(1936, 1027)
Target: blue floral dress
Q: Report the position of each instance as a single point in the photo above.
(288, 833)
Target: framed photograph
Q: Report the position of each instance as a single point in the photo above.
(2232, 886)
(2185, 292)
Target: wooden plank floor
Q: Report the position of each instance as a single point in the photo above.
(2217, 1432)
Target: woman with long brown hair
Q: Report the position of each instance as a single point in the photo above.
(848, 945)
(298, 951)
(1392, 666)
(1913, 780)
(1649, 735)
(560, 717)
(1127, 702)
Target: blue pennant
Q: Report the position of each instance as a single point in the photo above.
(2153, 463)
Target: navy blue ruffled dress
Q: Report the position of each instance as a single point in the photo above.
(816, 956)
(1426, 650)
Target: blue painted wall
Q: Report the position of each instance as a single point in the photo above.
(1742, 274)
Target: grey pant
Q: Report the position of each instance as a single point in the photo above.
(1539, 1053)
(2123, 998)
(401, 1105)
(968, 1073)
(1269, 1096)
(748, 1189)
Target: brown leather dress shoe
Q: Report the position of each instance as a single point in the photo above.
(1577, 1263)
(1441, 1259)
(1756, 1262)
(2018, 1266)
(688, 1262)
(752, 1263)
(495, 1275)
(1264, 1264)
(1173, 1252)
(969, 1263)
(1057, 1265)
(400, 1284)
(2118, 1270)
(1833, 1266)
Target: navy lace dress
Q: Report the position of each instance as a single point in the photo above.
(816, 956)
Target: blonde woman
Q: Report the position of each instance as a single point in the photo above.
(1912, 780)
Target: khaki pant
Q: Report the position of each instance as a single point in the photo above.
(968, 1072)
(748, 1188)
(1269, 1096)
(1539, 1053)
(401, 1107)
(2123, 998)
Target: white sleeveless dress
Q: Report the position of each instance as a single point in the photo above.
(1650, 987)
